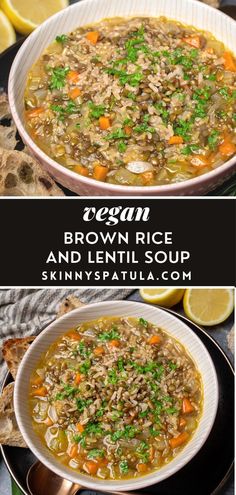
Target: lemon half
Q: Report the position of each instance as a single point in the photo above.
(26, 15)
(208, 307)
(166, 297)
(7, 33)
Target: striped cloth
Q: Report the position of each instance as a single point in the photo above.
(25, 312)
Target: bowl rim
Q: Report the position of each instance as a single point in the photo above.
(108, 485)
(111, 189)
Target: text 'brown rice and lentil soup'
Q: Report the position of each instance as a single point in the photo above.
(140, 101)
(116, 398)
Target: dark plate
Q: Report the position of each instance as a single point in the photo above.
(6, 59)
(208, 471)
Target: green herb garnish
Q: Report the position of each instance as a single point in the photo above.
(58, 77)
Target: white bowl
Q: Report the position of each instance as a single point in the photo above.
(187, 11)
(171, 325)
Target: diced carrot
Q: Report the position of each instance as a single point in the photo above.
(176, 140)
(74, 93)
(227, 148)
(128, 130)
(155, 339)
(147, 177)
(141, 467)
(48, 421)
(73, 450)
(91, 467)
(187, 407)
(74, 335)
(72, 76)
(40, 392)
(37, 380)
(98, 351)
(200, 161)
(229, 62)
(78, 379)
(80, 427)
(151, 453)
(79, 169)
(104, 123)
(182, 422)
(100, 172)
(30, 114)
(193, 40)
(93, 36)
(179, 440)
(114, 343)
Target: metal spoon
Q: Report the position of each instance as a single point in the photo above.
(40, 481)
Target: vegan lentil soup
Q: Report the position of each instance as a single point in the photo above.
(115, 398)
(138, 101)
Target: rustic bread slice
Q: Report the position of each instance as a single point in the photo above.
(21, 175)
(230, 339)
(9, 432)
(70, 303)
(13, 351)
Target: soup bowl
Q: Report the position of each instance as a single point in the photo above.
(171, 325)
(88, 11)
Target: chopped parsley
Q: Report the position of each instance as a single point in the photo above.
(182, 128)
(129, 431)
(112, 377)
(111, 335)
(143, 451)
(69, 392)
(85, 367)
(62, 38)
(96, 454)
(58, 77)
(96, 111)
(82, 404)
(189, 149)
(124, 467)
(84, 351)
(213, 139)
(143, 322)
(117, 134)
(122, 146)
(67, 110)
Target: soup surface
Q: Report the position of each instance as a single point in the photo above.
(115, 398)
(139, 101)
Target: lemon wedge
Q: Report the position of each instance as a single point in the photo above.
(7, 33)
(208, 307)
(26, 15)
(166, 297)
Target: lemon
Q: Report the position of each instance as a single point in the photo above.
(166, 297)
(26, 15)
(208, 306)
(7, 33)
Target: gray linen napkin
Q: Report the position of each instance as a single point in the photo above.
(26, 312)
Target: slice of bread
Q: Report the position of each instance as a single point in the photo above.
(21, 175)
(9, 432)
(70, 303)
(13, 351)
(4, 107)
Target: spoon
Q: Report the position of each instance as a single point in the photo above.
(40, 481)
